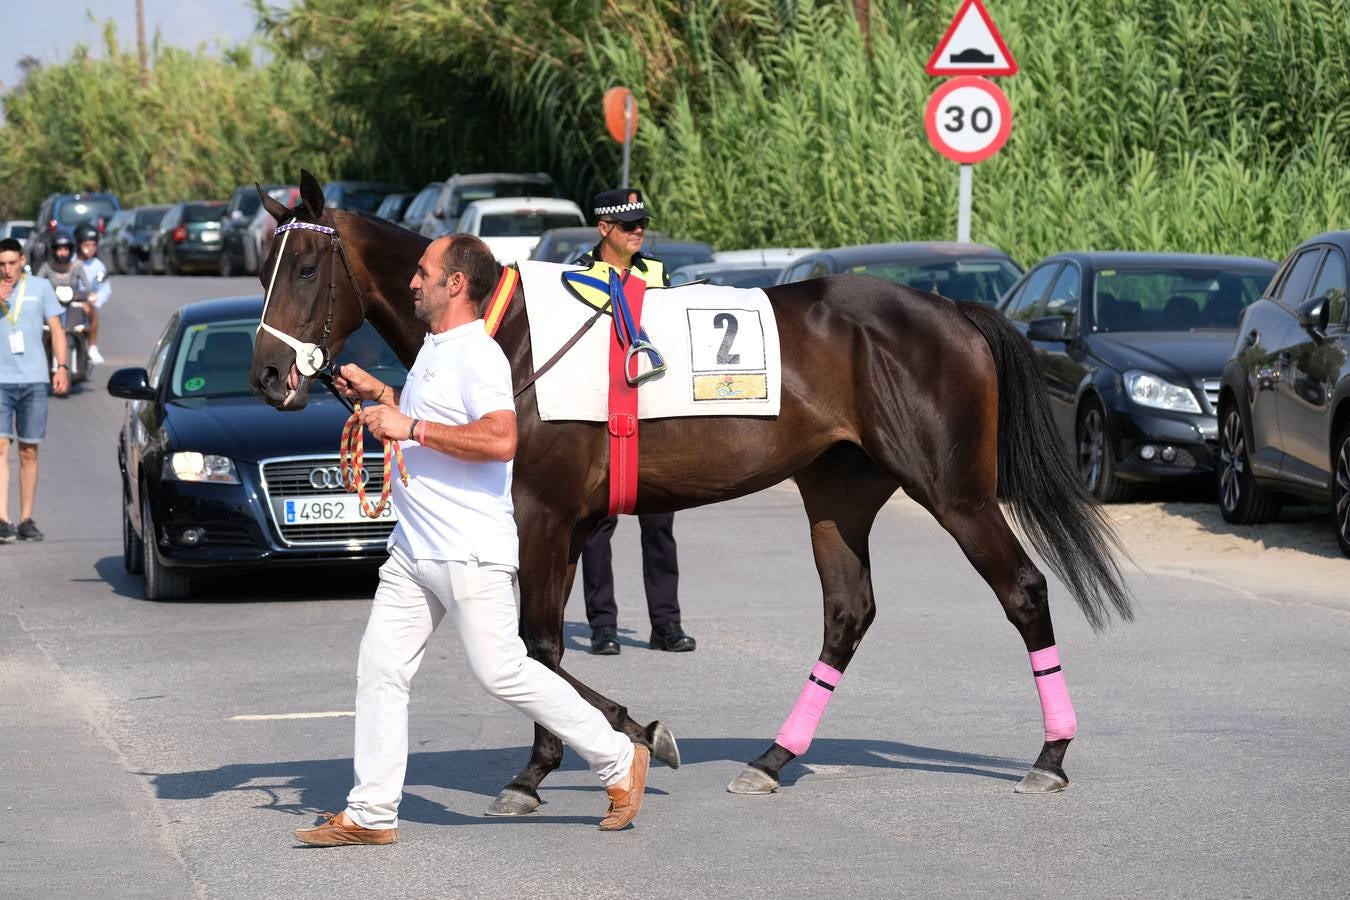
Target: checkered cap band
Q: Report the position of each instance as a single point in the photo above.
(307, 226)
(621, 208)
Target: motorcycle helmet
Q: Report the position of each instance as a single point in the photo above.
(86, 232)
(63, 240)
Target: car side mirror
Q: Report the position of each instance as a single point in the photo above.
(1048, 328)
(131, 384)
(1313, 313)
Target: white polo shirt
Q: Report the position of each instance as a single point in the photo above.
(453, 509)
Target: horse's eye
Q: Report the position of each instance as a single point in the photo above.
(307, 272)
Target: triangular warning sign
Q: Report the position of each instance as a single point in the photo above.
(971, 46)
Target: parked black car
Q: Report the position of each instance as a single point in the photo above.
(214, 481)
(188, 238)
(61, 214)
(1284, 403)
(237, 256)
(130, 246)
(358, 196)
(1131, 346)
(960, 271)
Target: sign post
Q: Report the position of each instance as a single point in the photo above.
(621, 118)
(968, 118)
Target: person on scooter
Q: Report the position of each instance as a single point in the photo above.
(86, 245)
(64, 270)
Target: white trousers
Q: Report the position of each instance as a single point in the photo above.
(412, 598)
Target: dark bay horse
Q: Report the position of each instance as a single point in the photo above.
(883, 388)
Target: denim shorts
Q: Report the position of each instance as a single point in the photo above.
(23, 412)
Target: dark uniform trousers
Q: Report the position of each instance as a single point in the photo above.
(660, 571)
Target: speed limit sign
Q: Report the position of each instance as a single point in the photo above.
(968, 119)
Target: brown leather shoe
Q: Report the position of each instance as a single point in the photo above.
(625, 798)
(337, 831)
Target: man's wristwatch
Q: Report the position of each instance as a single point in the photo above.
(62, 366)
(412, 429)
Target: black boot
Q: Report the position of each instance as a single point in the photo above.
(671, 637)
(605, 641)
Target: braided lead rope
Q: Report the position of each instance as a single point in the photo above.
(351, 454)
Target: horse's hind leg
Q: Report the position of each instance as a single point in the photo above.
(545, 581)
(994, 550)
(843, 490)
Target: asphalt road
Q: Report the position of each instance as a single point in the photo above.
(1211, 759)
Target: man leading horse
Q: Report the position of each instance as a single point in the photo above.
(454, 551)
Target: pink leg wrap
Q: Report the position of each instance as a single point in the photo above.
(1056, 708)
(801, 723)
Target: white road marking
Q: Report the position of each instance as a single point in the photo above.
(308, 715)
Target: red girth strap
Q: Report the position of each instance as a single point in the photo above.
(623, 411)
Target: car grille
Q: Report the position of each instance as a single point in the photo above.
(1212, 393)
(290, 478)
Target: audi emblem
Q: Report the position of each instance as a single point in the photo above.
(330, 478)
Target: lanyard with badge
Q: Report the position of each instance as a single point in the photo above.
(12, 315)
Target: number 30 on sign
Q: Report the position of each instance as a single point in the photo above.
(968, 119)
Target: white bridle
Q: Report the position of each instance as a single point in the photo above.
(309, 358)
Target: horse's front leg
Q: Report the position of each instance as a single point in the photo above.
(545, 582)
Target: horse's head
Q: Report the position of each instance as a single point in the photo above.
(311, 302)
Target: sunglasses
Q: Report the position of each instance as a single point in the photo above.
(630, 227)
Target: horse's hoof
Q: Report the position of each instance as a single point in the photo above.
(514, 801)
(1039, 781)
(663, 744)
(753, 781)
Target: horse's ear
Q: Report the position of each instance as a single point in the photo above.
(274, 208)
(311, 194)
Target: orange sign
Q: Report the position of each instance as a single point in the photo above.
(615, 100)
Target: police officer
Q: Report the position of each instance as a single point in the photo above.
(622, 218)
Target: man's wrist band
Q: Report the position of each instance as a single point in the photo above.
(380, 396)
(412, 429)
(62, 366)
(421, 431)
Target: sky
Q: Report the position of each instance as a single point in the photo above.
(49, 29)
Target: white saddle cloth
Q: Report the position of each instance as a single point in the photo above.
(720, 346)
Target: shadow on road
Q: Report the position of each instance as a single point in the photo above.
(261, 587)
(323, 783)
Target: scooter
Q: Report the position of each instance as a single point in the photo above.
(77, 340)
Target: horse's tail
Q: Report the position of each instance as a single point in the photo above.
(1037, 480)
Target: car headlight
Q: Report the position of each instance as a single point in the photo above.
(1149, 390)
(192, 466)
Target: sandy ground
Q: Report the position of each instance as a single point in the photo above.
(1294, 559)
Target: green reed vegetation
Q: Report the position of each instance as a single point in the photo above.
(1221, 126)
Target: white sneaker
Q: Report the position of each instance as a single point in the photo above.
(94, 356)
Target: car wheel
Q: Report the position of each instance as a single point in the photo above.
(133, 553)
(226, 270)
(1340, 488)
(1241, 500)
(171, 265)
(1096, 456)
(160, 583)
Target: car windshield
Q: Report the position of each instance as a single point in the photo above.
(561, 249)
(74, 212)
(465, 195)
(19, 231)
(363, 200)
(214, 359)
(202, 212)
(149, 218)
(743, 278)
(1173, 299)
(981, 280)
(673, 256)
(525, 223)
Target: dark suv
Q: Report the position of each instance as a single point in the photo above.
(61, 214)
(1284, 402)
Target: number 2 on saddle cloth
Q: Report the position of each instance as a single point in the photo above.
(625, 298)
